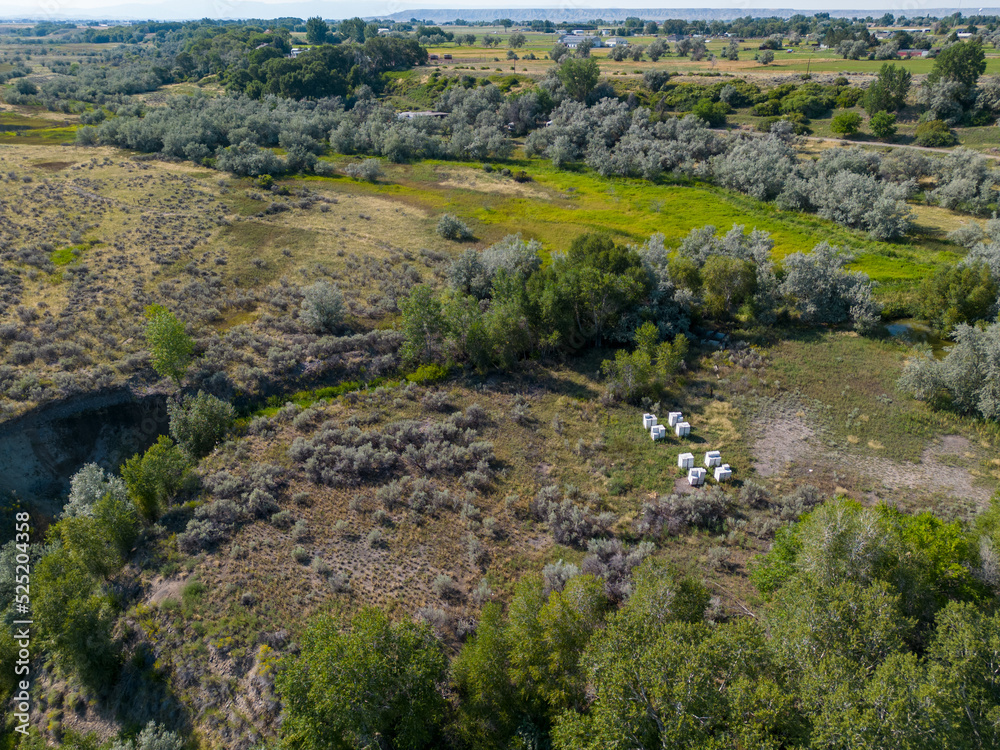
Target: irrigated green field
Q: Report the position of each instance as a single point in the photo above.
(557, 205)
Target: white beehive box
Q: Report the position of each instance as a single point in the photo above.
(723, 473)
(713, 458)
(658, 432)
(696, 476)
(648, 420)
(682, 429)
(685, 461)
(674, 417)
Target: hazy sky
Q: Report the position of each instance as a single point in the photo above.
(344, 8)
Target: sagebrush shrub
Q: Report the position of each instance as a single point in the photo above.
(452, 228)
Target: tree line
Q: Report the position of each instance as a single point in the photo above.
(877, 629)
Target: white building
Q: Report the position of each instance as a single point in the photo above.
(572, 41)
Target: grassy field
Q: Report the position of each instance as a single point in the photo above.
(559, 205)
(801, 60)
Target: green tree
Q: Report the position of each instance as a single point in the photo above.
(423, 326)
(662, 678)
(926, 560)
(883, 125)
(583, 294)
(889, 89)
(352, 30)
(962, 658)
(846, 123)
(726, 284)
(490, 707)
(75, 619)
(959, 294)
(647, 370)
(101, 542)
(377, 685)
(548, 637)
(963, 62)
(765, 57)
(713, 113)
(579, 76)
(199, 423)
(317, 30)
(169, 344)
(934, 133)
(155, 476)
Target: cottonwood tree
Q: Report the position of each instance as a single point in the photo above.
(579, 76)
(154, 477)
(889, 89)
(172, 349)
(423, 325)
(378, 684)
(317, 30)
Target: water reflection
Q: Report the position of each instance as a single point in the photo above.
(920, 334)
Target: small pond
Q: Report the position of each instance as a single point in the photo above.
(918, 333)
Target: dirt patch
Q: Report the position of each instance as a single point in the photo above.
(169, 589)
(950, 444)
(484, 183)
(54, 166)
(782, 441)
(931, 474)
(785, 441)
(682, 486)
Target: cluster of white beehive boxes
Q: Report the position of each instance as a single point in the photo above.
(658, 431)
(696, 474)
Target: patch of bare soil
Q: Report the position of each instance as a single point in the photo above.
(782, 441)
(168, 589)
(785, 440)
(483, 183)
(683, 487)
(931, 474)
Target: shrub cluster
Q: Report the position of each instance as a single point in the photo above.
(571, 523)
(349, 456)
(674, 514)
(238, 499)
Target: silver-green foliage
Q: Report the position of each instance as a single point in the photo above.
(966, 181)
(968, 378)
(473, 271)
(89, 485)
(322, 307)
(199, 423)
(824, 291)
(755, 166)
(452, 228)
(152, 737)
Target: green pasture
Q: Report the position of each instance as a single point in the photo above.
(557, 206)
